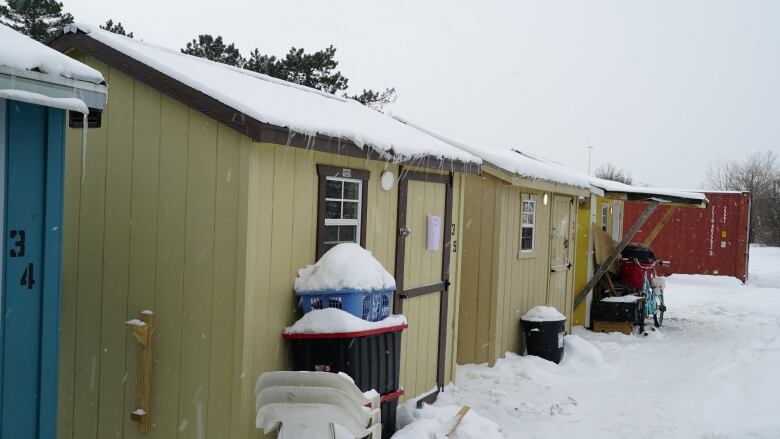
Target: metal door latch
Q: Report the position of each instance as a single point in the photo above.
(404, 231)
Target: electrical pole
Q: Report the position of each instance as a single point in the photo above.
(590, 150)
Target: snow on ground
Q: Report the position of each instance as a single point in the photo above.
(710, 372)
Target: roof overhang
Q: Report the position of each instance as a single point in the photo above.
(664, 199)
(53, 86)
(233, 118)
(539, 185)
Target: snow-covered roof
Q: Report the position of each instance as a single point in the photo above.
(534, 167)
(21, 53)
(681, 195)
(512, 160)
(279, 103)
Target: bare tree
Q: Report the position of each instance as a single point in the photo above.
(608, 171)
(758, 174)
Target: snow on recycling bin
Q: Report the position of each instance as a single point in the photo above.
(544, 328)
(347, 277)
(347, 327)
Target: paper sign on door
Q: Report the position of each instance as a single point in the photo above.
(434, 232)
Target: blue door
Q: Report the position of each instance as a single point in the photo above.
(29, 333)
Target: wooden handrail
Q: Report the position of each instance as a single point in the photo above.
(142, 329)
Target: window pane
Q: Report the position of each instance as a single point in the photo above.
(347, 233)
(331, 233)
(332, 209)
(350, 210)
(333, 189)
(527, 238)
(329, 246)
(350, 190)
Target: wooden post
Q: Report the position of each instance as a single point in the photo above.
(614, 257)
(660, 225)
(143, 329)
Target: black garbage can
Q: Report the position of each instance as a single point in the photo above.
(371, 358)
(544, 337)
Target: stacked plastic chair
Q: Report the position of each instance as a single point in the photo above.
(310, 405)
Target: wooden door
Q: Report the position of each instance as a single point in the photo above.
(422, 277)
(561, 254)
(29, 309)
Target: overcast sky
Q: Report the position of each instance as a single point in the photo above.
(659, 87)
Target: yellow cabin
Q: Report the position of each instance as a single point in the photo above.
(518, 247)
(188, 203)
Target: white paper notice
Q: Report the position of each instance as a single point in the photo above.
(434, 232)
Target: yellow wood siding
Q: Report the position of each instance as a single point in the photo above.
(583, 254)
(499, 282)
(179, 214)
(151, 222)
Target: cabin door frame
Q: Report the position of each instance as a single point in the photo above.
(405, 176)
(561, 258)
(32, 197)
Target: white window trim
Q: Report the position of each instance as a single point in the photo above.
(359, 201)
(604, 216)
(524, 225)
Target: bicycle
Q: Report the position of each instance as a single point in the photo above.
(652, 287)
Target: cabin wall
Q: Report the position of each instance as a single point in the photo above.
(499, 283)
(170, 211)
(152, 220)
(589, 218)
(281, 233)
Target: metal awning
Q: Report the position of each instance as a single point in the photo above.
(53, 86)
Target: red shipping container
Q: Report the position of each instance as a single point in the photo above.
(699, 241)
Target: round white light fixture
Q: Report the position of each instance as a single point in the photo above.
(386, 180)
(544, 199)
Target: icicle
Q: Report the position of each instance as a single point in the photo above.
(84, 146)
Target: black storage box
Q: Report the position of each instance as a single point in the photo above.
(638, 251)
(615, 311)
(544, 339)
(372, 358)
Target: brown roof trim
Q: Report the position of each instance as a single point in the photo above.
(259, 131)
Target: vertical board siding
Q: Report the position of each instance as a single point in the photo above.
(281, 236)
(143, 229)
(119, 150)
(499, 283)
(169, 289)
(152, 221)
(86, 374)
(196, 321)
(192, 220)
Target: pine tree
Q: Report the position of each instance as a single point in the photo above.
(314, 70)
(375, 99)
(41, 20)
(214, 49)
(116, 28)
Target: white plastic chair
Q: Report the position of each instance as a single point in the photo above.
(309, 404)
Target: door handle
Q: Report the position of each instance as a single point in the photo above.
(404, 231)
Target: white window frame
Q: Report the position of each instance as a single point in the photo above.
(525, 225)
(604, 216)
(343, 221)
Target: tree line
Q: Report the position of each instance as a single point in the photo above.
(758, 174)
(43, 20)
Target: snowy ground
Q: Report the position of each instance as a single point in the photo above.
(712, 371)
